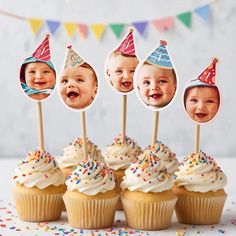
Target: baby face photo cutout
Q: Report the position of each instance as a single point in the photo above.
(120, 65)
(78, 82)
(202, 97)
(155, 79)
(37, 73)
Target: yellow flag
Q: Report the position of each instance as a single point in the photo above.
(70, 29)
(98, 30)
(35, 25)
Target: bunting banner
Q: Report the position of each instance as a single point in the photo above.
(98, 29)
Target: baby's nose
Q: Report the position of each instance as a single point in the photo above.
(126, 74)
(71, 85)
(201, 105)
(38, 74)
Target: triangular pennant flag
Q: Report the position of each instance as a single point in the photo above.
(35, 25)
(52, 26)
(98, 30)
(203, 12)
(117, 29)
(185, 18)
(83, 30)
(164, 23)
(70, 28)
(140, 26)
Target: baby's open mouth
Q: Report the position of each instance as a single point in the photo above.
(40, 83)
(72, 95)
(156, 95)
(200, 115)
(126, 84)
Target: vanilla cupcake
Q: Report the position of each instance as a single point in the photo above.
(167, 157)
(39, 188)
(118, 157)
(199, 187)
(74, 154)
(147, 197)
(91, 198)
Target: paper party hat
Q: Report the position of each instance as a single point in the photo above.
(160, 56)
(73, 59)
(43, 51)
(127, 45)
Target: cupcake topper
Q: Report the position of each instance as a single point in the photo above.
(78, 87)
(119, 69)
(202, 99)
(155, 82)
(38, 79)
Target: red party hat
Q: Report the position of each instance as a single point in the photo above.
(208, 75)
(43, 51)
(127, 45)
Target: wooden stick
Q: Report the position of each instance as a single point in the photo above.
(155, 130)
(40, 125)
(84, 136)
(197, 138)
(123, 134)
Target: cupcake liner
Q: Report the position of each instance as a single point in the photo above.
(199, 210)
(90, 214)
(118, 177)
(148, 215)
(37, 208)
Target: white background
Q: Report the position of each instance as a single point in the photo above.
(191, 51)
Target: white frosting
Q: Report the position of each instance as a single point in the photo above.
(167, 157)
(91, 177)
(38, 170)
(119, 155)
(147, 174)
(200, 173)
(74, 153)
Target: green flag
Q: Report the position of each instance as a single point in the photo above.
(185, 18)
(117, 29)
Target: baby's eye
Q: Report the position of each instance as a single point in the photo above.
(132, 71)
(80, 80)
(47, 71)
(64, 81)
(118, 72)
(162, 81)
(210, 101)
(32, 71)
(146, 82)
(193, 100)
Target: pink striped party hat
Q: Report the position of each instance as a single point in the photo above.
(127, 45)
(43, 51)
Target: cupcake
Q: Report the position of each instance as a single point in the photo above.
(91, 198)
(199, 187)
(39, 188)
(147, 197)
(167, 157)
(74, 154)
(118, 157)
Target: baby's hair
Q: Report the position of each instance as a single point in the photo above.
(186, 93)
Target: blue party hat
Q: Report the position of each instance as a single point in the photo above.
(160, 56)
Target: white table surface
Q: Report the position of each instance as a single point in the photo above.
(10, 225)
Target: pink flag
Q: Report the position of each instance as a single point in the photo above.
(127, 45)
(43, 51)
(164, 23)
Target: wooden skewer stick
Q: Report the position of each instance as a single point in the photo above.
(155, 129)
(123, 134)
(84, 136)
(40, 125)
(197, 138)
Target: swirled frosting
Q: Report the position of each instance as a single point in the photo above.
(200, 173)
(38, 170)
(147, 174)
(74, 153)
(119, 155)
(167, 157)
(91, 177)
